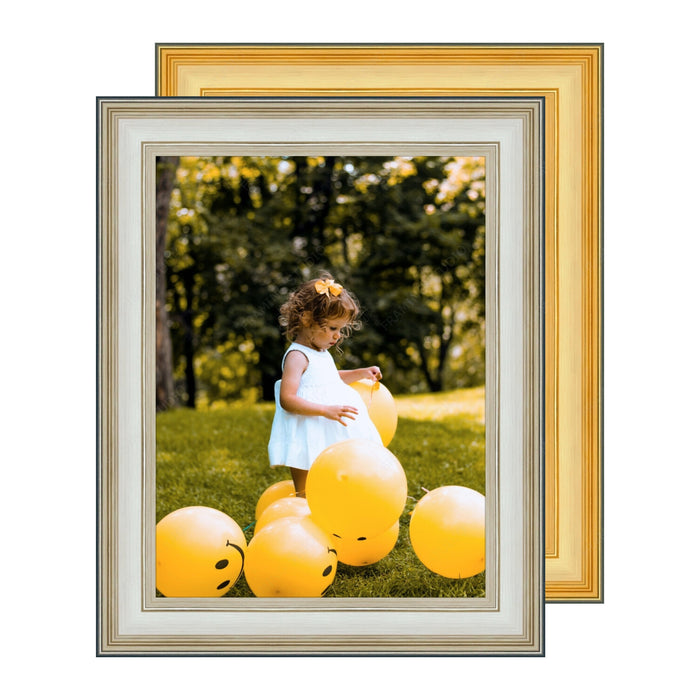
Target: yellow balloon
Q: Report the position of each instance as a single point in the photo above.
(282, 508)
(290, 557)
(199, 553)
(447, 531)
(272, 493)
(364, 551)
(356, 488)
(380, 406)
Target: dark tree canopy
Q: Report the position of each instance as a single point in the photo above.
(406, 235)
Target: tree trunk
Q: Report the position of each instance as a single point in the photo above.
(165, 181)
(312, 209)
(188, 330)
(268, 386)
(434, 383)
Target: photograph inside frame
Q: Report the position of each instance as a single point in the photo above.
(324, 314)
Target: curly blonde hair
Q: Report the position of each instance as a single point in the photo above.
(306, 304)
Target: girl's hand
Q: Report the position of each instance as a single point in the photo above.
(373, 373)
(355, 375)
(340, 412)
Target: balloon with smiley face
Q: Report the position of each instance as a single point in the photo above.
(366, 550)
(199, 553)
(447, 531)
(356, 488)
(290, 557)
(272, 493)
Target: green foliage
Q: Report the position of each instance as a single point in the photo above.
(225, 372)
(406, 235)
(218, 458)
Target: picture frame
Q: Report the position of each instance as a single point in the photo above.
(569, 79)
(132, 133)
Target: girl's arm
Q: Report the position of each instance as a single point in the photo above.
(294, 366)
(352, 375)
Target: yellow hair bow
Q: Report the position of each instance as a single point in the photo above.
(326, 286)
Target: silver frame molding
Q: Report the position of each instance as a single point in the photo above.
(131, 620)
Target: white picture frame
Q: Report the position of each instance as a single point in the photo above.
(132, 132)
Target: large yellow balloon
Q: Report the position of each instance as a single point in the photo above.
(380, 406)
(282, 508)
(447, 531)
(272, 493)
(199, 553)
(364, 551)
(356, 488)
(290, 557)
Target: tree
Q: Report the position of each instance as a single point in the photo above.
(405, 234)
(165, 181)
(416, 224)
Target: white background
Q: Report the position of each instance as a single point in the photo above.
(57, 57)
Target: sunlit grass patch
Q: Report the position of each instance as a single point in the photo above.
(218, 458)
(460, 402)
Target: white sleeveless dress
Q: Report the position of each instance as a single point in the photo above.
(296, 440)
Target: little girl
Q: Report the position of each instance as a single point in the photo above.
(314, 406)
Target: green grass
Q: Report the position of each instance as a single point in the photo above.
(218, 458)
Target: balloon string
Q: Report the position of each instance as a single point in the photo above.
(413, 498)
(371, 391)
(247, 527)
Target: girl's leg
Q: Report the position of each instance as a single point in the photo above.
(299, 479)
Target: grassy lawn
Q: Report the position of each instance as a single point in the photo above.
(218, 458)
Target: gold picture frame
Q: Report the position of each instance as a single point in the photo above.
(132, 620)
(569, 79)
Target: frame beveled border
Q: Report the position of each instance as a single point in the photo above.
(569, 78)
(131, 134)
